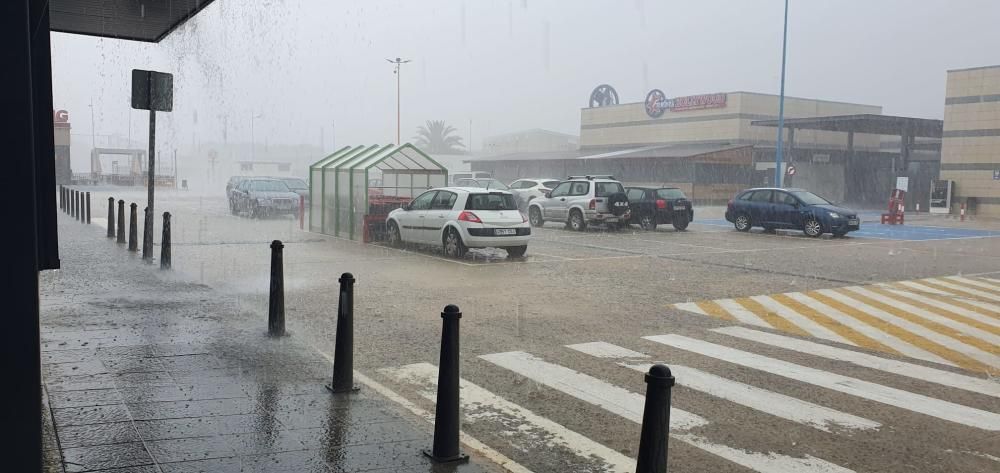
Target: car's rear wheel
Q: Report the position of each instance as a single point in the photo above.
(453, 246)
(742, 223)
(647, 222)
(535, 217)
(681, 221)
(516, 251)
(233, 210)
(576, 221)
(812, 227)
(392, 234)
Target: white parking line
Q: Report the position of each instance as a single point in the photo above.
(901, 368)
(606, 350)
(855, 387)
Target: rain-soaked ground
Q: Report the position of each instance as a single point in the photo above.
(538, 392)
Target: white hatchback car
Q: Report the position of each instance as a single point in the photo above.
(459, 218)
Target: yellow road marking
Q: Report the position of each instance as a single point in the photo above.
(928, 324)
(770, 317)
(904, 335)
(939, 311)
(947, 299)
(957, 292)
(844, 331)
(715, 310)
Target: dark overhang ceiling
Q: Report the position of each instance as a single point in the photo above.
(138, 20)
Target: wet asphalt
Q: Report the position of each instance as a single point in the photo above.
(599, 285)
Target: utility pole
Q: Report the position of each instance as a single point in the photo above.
(398, 62)
(781, 106)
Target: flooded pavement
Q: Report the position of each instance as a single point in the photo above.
(145, 371)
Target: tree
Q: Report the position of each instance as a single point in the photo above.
(435, 137)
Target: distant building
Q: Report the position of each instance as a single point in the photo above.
(970, 149)
(535, 140)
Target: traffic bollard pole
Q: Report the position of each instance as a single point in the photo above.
(121, 221)
(276, 303)
(79, 206)
(111, 217)
(62, 201)
(87, 208)
(343, 354)
(165, 242)
(446, 428)
(655, 421)
(132, 243)
(72, 209)
(147, 232)
(302, 212)
(76, 204)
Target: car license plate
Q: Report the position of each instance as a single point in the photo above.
(853, 221)
(680, 207)
(505, 231)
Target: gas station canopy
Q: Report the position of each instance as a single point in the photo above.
(357, 185)
(122, 19)
(865, 123)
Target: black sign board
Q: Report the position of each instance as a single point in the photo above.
(152, 90)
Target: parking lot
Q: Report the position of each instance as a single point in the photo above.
(529, 323)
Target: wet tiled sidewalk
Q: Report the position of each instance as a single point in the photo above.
(145, 372)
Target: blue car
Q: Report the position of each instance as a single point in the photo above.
(790, 208)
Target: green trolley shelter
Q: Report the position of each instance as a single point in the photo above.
(352, 190)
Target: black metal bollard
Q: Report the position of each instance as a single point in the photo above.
(76, 204)
(446, 428)
(121, 221)
(165, 242)
(87, 208)
(343, 355)
(111, 217)
(147, 231)
(62, 198)
(79, 205)
(276, 303)
(133, 244)
(655, 421)
(72, 200)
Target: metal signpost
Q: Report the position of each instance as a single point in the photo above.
(153, 91)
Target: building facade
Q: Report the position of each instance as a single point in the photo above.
(970, 148)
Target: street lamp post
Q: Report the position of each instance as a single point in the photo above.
(781, 105)
(398, 62)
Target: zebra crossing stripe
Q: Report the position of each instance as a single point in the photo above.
(587, 388)
(901, 368)
(770, 317)
(527, 431)
(858, 337)
(855, 387)
(970, 346)
(969, 325)
(938, 353)
(980, 284)
(806, 324)
(984, 308)
(606, 350)
(946, 309)
(929, 340)
(960, 290)
(741, 314)
(768, 402)
(693, 307)
(629, 405)
(713, 309)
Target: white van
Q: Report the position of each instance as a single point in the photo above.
(455, 177)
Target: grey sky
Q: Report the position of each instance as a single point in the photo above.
(510, 64)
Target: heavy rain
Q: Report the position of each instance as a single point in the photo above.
(510, 235)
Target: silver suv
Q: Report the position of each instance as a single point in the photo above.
(582, 200)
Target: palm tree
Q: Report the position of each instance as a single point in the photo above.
(436, 137)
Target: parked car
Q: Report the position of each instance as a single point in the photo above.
(790, 208)
(232, 183)
(526, 190)
(583, 200)
(482, 183)
(297, 185)
(652, 206)
(261, 197)
(459, 218)
(455, 176)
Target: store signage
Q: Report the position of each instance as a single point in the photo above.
(60, 116)
(790, 171)
(657, 102)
